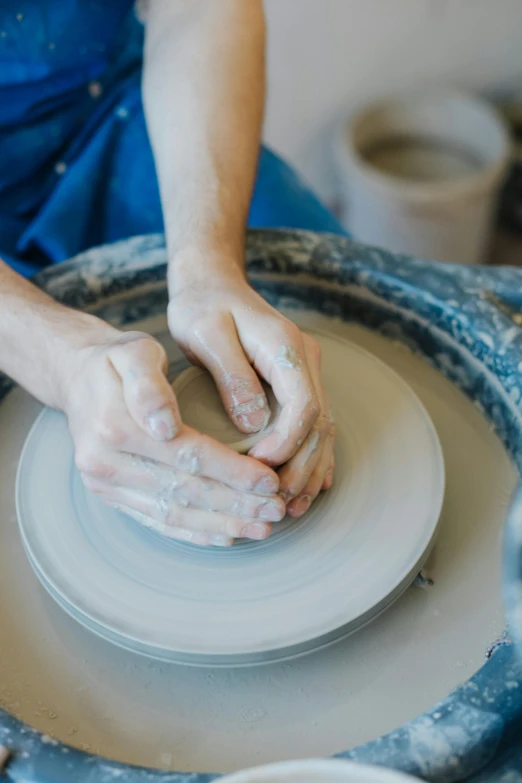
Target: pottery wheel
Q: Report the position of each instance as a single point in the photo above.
(313, 581)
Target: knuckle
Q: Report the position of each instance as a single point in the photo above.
(110, 433)
(147, 393)
(160, 354)
(142, 347)
(90, 463)
(151, 352)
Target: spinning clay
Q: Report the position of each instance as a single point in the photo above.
(313, 581)
(201, 407)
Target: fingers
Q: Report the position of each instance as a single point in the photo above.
(190, 452)
(197, 454)
(168, 489)
(315, 483)
(218, 348)
(141, 363)
(328, 479)
(99, 443)
(294, 474)
(144, 508)
(179, 533)
(303, 476)
(284, 360)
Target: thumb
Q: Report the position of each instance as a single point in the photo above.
(218, 348)
(141, 363)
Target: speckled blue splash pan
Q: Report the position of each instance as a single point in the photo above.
(468, 323)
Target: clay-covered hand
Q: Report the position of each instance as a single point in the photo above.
(133, 450)
(222, 324)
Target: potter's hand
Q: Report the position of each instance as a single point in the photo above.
(132, 449)
(222, 324)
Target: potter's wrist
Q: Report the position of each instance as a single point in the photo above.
(74, 337)
(206, 266)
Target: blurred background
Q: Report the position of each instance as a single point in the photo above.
(327, 56)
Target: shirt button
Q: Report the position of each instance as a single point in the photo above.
(60, 167)
(95, 89)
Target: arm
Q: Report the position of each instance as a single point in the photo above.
(203, 90)
(39, 338)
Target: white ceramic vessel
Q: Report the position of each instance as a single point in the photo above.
(419, 174)
(319, 771)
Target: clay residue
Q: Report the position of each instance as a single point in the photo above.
(189, 461)
(287, 357)
(244, 409)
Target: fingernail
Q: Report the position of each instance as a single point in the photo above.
(162, 425)
(256, 531)
(301, 505)
(253, 422)
(271, 512)
(256, 420)
(266, 486)
(252, 415)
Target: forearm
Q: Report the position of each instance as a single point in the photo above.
(204, 96)
(39, 337)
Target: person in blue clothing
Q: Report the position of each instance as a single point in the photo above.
(116, 122)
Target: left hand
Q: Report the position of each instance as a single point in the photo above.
(221, 323)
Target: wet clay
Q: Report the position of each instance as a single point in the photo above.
(346, 560)
(201, 407)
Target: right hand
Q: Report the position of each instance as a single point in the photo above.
(132, 449)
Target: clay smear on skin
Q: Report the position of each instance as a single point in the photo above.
(241, 410)
(199, 537)
(146, 521)
(189, 461)
(171, 492)
(287, 357)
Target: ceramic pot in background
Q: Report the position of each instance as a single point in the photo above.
(420, 174)
(318, 771)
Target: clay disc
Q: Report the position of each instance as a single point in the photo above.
(312, 582)
(201, 407)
